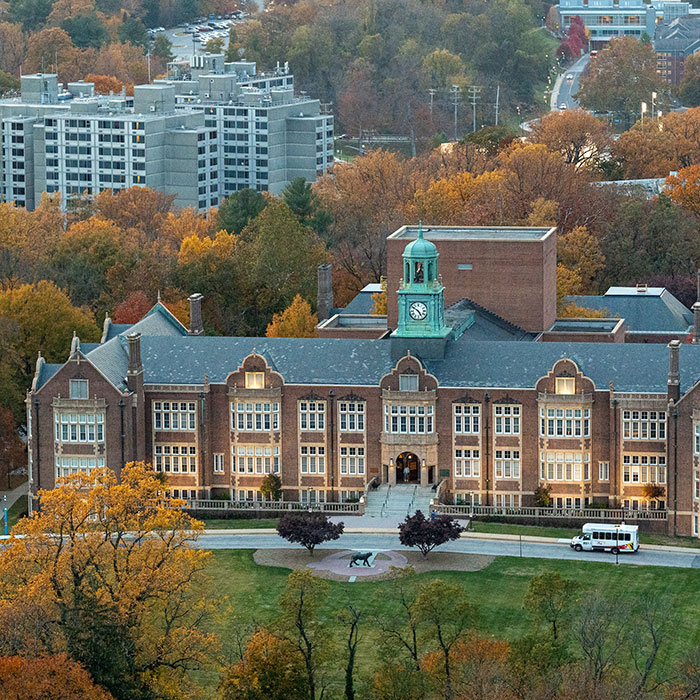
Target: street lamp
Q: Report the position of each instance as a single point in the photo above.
(617, 544)
(644, 111)
(653, 104)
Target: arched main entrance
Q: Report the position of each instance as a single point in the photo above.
(407, 468)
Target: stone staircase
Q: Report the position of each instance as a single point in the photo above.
(398, 501)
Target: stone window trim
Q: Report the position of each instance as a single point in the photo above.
(428, 396)
(79, 405)
(239, 393)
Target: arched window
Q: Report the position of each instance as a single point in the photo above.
(418, 277)
(431, 276)
(407, 273)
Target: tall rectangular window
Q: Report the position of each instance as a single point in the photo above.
(312, 459)
(352, 460)
(603, 471)
(467, 463)
(312, 415)
(643, 469)
(467, 418)
(219, 463)
(507, 464)
(351, 416)
(507, 419)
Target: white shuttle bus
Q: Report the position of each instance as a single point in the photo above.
(607, 538)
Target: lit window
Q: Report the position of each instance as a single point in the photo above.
(78, 388)
(408, 382)
(565, 385)
(254, 380)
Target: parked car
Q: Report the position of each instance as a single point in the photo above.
(562, 107)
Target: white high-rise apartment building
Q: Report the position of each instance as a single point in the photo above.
(198, 138)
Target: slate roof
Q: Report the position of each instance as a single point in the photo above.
(633, 367)
(299, 360)
(112, 356)
(362, 303)
(115, 329)
(171, 357)
(655, 311)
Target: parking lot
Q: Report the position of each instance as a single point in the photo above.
(192, 38)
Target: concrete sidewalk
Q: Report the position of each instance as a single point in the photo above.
(9, 498)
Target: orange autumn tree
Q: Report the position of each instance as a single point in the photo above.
(23, 678)
(270, 669)
(296, 321)
(119, 589)
(685, 188)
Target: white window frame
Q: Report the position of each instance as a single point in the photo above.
(507, 419)
(563, 422)
(255, 416)
(218, 463)
(603, 471)
(351, 416)
(170, 458)
(312, 415)
(408, 419)
(72, 427)
(506, 464)
(644, 469)
(467, 463)
(312, 459)
(352, 460)
(643, 425)
(466, 418)
(565, 386)
(174, 416)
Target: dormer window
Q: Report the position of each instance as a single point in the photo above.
(254, 380)
(408, 382)
(78, 388)
(565, 385)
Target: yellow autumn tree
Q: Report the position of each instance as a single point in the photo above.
(579, 251)
(296, 321)
(106, 573)
(379, 300)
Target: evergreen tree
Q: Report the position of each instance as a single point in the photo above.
(239, 208)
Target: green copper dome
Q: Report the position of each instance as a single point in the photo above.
(420, 248)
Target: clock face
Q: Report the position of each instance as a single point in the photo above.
(418, 310)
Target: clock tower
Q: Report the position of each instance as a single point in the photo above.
(421, 293)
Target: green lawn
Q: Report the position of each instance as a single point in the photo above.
(240, 524)
(18, 509)
(496, 591)
(567, 532)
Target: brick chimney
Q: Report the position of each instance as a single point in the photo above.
(134, 374)
(696, 322)
(674, 375)
(196, 327)
(324, 294)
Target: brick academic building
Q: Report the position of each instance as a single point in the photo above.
(470, 381)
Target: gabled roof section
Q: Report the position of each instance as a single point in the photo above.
(645, 310)
(46, 371)
(112, 357)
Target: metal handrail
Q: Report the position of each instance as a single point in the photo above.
(382, 512)
(537, 512)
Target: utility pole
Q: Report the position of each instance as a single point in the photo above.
(432, 92)
(474, 96)
(455, 90)
(498, 94)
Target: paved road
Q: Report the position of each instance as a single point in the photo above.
(556, 550)
(568, 88)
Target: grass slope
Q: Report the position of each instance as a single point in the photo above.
(496, 591)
